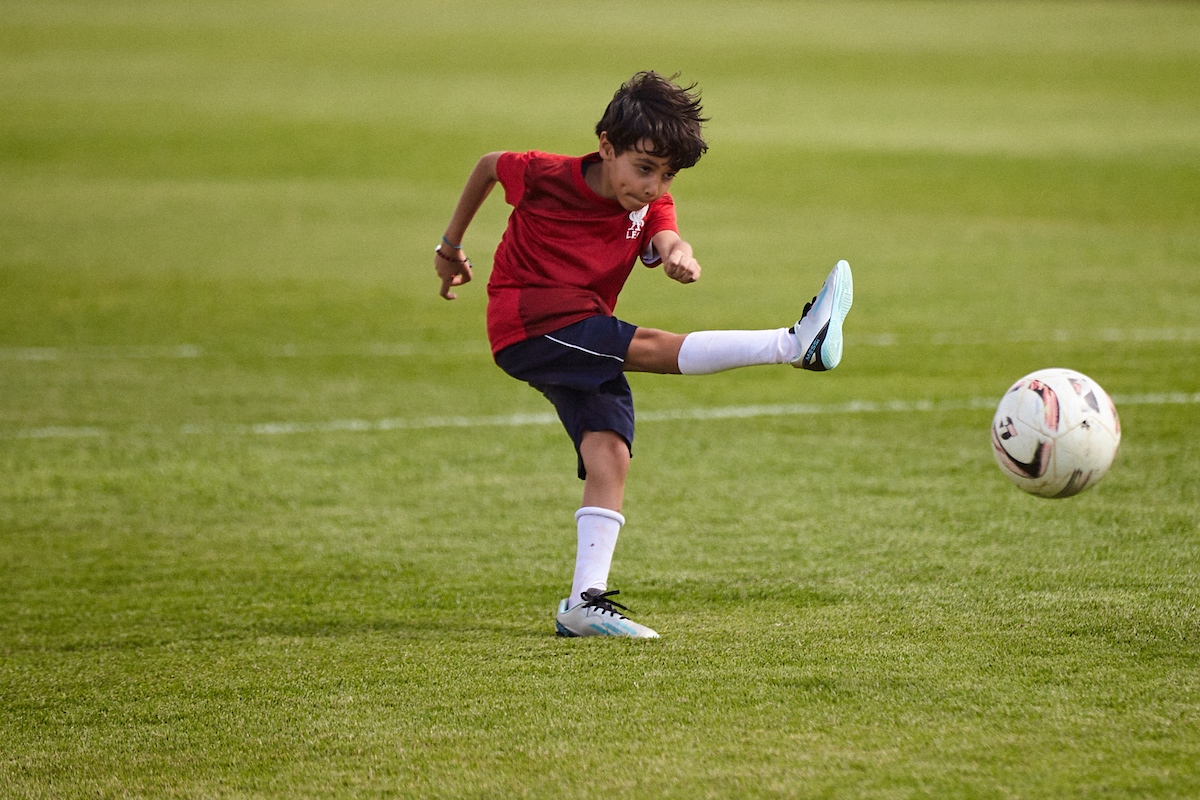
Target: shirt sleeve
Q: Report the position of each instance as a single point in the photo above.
(510, 169)
(660, 217)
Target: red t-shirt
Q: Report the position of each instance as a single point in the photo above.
(567, 251)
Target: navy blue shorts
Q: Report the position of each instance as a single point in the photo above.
(581, 370)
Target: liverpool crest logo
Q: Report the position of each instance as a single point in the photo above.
(637, 221)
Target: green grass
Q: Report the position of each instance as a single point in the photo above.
(244, 554)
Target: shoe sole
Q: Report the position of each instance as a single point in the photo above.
(603, 632)
(830, 337)
(607, 630)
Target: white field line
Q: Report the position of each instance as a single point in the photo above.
(410, 350)
(549, 418)
(99, 353)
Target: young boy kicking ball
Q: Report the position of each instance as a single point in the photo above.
(577, 227)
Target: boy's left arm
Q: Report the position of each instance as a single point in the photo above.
(677, 260)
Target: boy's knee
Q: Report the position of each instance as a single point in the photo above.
(604, 449)
(608, 441)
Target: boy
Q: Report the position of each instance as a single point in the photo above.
(576, 229)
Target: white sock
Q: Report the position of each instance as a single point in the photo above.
(706, 352)
(597, 529)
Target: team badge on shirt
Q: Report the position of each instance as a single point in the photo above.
(637, 221)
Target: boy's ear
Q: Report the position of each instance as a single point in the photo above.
(605, 147)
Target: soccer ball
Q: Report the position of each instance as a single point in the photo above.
(1055, 433)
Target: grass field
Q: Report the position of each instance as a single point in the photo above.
(273, 525)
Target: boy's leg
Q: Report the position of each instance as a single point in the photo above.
(606, 459)
(654, 351)
(706, 352)
(814, 342)
(599, 520)
(590, 610)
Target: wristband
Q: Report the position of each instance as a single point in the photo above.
(440, 254)
(451, 244)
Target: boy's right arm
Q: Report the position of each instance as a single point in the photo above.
(452, 267)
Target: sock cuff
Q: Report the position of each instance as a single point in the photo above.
(596, 511)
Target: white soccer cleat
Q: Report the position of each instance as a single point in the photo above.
(819, 331)
(597, 615)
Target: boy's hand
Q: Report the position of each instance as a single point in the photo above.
(677, 260)
(453, 271)
(681, 266)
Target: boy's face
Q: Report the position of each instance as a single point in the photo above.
(633, 178)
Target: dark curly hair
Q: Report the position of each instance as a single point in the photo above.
(649, 107)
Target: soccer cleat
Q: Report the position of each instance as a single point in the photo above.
(819, 331)
(597, 615)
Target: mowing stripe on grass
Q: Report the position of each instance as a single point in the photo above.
(410, 350)
(548, 418)
(96, 353)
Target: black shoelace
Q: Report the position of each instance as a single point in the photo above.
(807, 307)
(601, 600)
